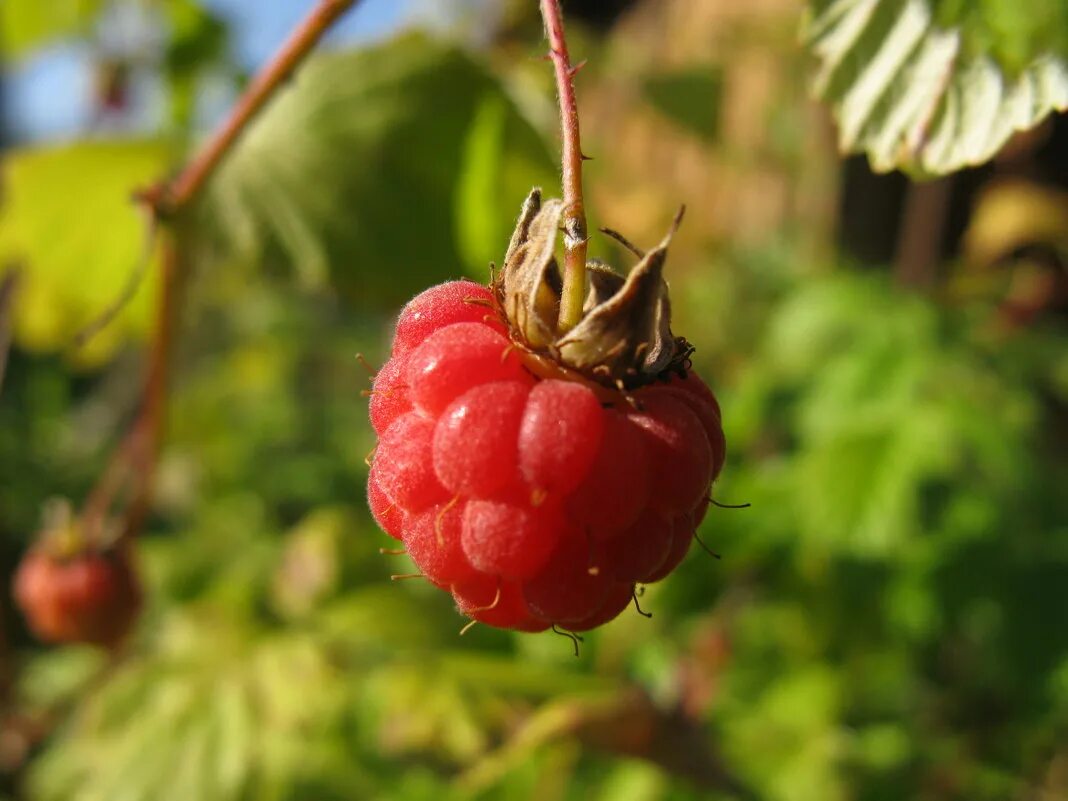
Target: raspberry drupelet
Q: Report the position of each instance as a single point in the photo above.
(538, 475)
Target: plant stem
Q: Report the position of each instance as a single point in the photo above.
(571, 159)
(186, 187)
(144, 437)
(133, 463)
(9, 284)
(919, 241)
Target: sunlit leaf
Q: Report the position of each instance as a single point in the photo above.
(25, 24)
(935, 93)
(70, 225)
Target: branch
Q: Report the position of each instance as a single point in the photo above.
(571, 159)
(9, 284)
(144, 437)
(133, 463)
(919, 241)
(624, 723)
(187, 186)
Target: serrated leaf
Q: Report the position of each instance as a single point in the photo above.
(917, 95)
(70, 225)
(354, 171)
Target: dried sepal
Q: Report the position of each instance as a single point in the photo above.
(629, 333)
(529, 285)
(624, 337)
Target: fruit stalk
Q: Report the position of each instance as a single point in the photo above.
(571, 159)
(300, 43)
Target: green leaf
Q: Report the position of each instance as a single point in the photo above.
(69, 223)
(25, 24)
(353, 173)
(934, 94)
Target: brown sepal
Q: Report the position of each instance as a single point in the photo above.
(624, 338)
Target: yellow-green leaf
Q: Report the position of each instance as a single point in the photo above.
(25, 24)
(69, 224)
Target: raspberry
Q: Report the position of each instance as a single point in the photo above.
(432, 540)
(508, 539)
(389, 395)
(615, 489)
(89, 596)
(682, 532)
(389, 518)
(496, 603)
(635, 554)
(563, 424)
(442, 305)
(406, 477)
(617, 598)
(476, 440)
(539, 475)
(456, 358)
(569, 588)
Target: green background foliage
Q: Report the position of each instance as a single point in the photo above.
(887, 618)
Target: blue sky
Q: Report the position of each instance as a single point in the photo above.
(49, 95)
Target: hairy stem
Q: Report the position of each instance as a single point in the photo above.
(185, 188)
(571, 159)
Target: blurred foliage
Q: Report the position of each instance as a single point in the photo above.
(887, 615)
(887, 618)
(691, 98)
(1011, 31)
(935, 90)
(196, 48)
(26, 24)
(343, 171)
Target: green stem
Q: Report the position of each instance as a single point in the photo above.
(571, 159)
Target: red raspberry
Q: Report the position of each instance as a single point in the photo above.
(539, 483)
(87, 597)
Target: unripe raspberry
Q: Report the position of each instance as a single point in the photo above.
(536, 474)
(86, 596)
